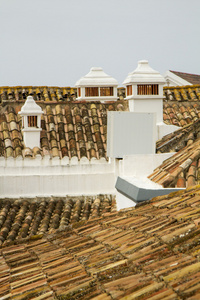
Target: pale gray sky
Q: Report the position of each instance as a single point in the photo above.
(55, 42)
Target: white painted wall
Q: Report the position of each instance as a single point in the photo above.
(37, 177)
(130, 133)
(153, 106)
(148, 106)
(141, 166)
(135, 169)
(123, 201)
(31, 137)
(163, 129)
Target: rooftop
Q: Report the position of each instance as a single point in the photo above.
(68, 130)
(192, 78)
(182, 169)
(24, 218)
(147, 252)
(78, 129)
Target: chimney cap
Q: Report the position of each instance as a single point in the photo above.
(144, 74)
(30, 107)
(96, 77)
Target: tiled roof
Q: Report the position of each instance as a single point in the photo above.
(181, 105)
(182, 169)
(42, 93)
(192, 78)
(74, 129)
(182, 93)
(68, 130)
(66, 94)
(25, 218)
(177, 140)
(150, 252)
(39, 93)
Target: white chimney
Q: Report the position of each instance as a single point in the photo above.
(144, 90)
(96, 86)
(31, 123)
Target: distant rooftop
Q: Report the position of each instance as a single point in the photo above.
(192, 78)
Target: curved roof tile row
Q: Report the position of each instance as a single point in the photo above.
(182, 93)
(180, 170)
(42, 93)
(180, 106)
(55, 94)
(147, 252)
(22, 218)
(70, 130)
(180, 114)
(177, 140)
(39, 93)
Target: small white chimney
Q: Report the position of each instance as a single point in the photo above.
(144, 90)
(96, 86)
(31, 123)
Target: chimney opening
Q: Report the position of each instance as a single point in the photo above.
(147, 89)
(32, 121)
(106, 91)
(129, 90)
(91, 91)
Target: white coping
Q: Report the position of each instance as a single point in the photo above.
(143, 182)
(46, 160)
(96, 77)
(144, 74)
(42, 166)
(30, 107)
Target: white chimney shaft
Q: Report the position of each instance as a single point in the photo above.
(31, 123)
(144, 90)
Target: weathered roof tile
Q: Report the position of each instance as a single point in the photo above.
(151, 251)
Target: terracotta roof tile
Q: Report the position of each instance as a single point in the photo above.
(180, 168)
(68, 130)
(25, 218)
(180, 103)
(147, 252)
(179, 139)
(43, 93)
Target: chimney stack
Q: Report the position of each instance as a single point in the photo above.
(97, 86)
(31, 123)
(144, 90)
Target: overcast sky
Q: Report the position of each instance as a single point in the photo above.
(55, 42)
